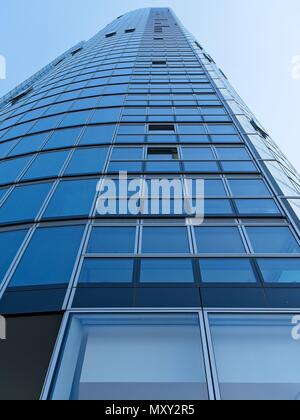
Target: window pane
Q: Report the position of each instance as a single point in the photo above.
(168, 240)
(277, 240)
(46, 165)
(167, 271)
(127, 153)
(87, 161)
(197, 153)
(6, 147)
(29, 144)
(233, 153)
(162, 139)
(24, 203)
(201, 167)
(162, 153)
(48, 123)
(63, 138)
(49, 258)
(125, 166)
(248, 188)
(214, 188)
(222, 129)
(72, 198)
(106, 115)
(191, 129)
(132, 129)
(98, 135)
(280, 270)
(256, 357)
(3, 191)
(112, 240)
(113, 270)
(75, 118)
(218, 208)
(230, 270)
(247, 167)
(219, 240)
(10, 169)
(165, 166)
(10, 243)
(225, 139)
(113, 360)
(257, 207)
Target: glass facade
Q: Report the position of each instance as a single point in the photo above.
(207, 306)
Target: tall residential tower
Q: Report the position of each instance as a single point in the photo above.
(152, 307)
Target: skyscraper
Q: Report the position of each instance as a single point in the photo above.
(144, 307)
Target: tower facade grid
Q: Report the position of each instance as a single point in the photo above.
(143, 307)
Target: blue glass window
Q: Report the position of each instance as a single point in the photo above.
(229, 270)
(279, 270)
(132, 356)
(58, 108)
(17, 131)
(274, 240)
(214, 188)
(98, 134)
(221, 129)
(49, 258)
(46, 165)
(116, 167)
(6, 147)
(72, 198)
(163, 166)
(255, 357)
(204, 167)
(112, 240)
(106, 116)
(248, 188)
(191, 129)
(10, 243)
(247, 167)
(24, 203)
(257, 207)
(29, 144)
(233, 153)
(161, 139)
(166, 271)
(218, 208)
(112, 100)
(85, 104)
(104, 270)
(48, 123)
(127, 153)
(11, 169)
(197, 153)
(222, 139)
(194, 139)
(87, 161)
(3, 191)
(75, 118)
(63, 138)
(165, 240)
(131, 129)
(219, 240)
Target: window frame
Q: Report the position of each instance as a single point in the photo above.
(210, 366)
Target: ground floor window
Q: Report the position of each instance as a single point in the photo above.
(132, 357)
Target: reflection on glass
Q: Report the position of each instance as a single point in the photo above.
(256, 357)
(132, 357)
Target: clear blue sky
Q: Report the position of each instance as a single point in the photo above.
(253, 41)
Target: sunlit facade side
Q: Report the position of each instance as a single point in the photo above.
(144, 308)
